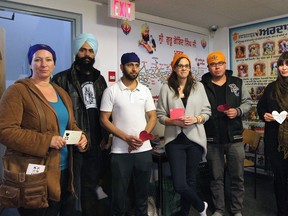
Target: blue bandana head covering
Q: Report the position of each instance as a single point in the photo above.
(37, 47)
(81, 39)
(129, 57)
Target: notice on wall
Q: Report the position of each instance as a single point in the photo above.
(155, 45)
(254, 50)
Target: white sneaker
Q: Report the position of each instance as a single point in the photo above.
(203, 213)
(238, 214)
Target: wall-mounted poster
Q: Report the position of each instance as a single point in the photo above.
(155, 45)
(254, 50)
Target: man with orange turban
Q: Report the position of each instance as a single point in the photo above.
(229, 100)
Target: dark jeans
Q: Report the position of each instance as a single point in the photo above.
(86, 180)
(63, 208)
(184, 157)
(137, 168)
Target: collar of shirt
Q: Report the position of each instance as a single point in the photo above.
(123, 87)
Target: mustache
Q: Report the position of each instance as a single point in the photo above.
(84, 59)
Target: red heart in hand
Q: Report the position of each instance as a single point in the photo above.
(223, 107)
(144, 135)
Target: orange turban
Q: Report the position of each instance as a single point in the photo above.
(215, 57)
(177, 56)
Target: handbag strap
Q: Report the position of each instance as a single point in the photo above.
(40, 111)
(43, 127)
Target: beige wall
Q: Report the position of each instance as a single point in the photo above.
(96, 21)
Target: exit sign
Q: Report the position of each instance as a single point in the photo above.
(122, 9)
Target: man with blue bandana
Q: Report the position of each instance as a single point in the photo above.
(85, 85)
(128, 102)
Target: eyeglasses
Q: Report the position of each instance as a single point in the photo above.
(217, 64)
(180, 66)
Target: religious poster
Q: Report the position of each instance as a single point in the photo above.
(155, 45)
(254, 50)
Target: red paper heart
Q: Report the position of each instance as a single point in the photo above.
(144, 135)
(223, 107)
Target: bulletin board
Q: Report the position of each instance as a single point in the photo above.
(254, 50)
(155, 45)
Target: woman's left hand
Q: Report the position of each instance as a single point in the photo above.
(189, 120)
(82, 143)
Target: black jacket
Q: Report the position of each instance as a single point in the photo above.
(268, 104)
(68, 80)
(237, 97)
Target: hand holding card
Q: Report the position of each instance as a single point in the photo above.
(223, 107)
(72, 137)
(176, 113)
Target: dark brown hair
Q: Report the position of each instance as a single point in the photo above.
(174, 84)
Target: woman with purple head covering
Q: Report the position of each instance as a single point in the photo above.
(34, 114)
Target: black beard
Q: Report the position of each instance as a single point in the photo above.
(128, 76)
(145, 37)
(83, 64)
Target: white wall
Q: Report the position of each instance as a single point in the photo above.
(96, 21)
(220, 42)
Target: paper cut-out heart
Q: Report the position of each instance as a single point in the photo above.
(279, 117)
(144, 135)
(223, 107)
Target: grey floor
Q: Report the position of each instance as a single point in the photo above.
(263, 205)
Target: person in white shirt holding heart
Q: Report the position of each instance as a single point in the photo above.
(271, 108)
(128, 102)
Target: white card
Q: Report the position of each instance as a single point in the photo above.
(35, 169)
(279, 117)
(72, 137)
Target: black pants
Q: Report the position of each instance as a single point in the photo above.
(64, 208)
(137, 168)
(88, 167)
(280, 170)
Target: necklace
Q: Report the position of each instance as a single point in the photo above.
(182, 95)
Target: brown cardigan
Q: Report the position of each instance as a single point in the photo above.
(20, 129)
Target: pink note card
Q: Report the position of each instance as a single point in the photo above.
(176, 113)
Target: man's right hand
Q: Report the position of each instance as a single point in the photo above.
(133, 141)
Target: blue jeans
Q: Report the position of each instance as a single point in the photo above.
(235, 155)
(135, 167)
(184, 158)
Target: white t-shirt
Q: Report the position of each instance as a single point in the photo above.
(128, 112)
